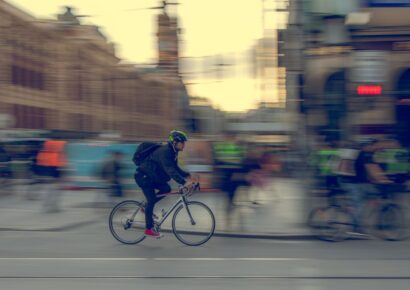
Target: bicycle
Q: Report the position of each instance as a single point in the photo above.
(197, 220)
(320, 219)
(336, 222)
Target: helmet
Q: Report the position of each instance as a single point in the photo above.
(177, 136)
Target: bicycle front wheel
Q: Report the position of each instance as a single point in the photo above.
(127, 222)
(391, 223)
(194, 224)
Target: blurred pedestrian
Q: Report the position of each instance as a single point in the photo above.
(394, 160)
(326, 156)
(111, 175)
(51, 161)
(261, 175)
(229, 156)
(5, 170)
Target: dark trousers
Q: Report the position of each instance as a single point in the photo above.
(150, 190)
(230, 182)
(116, 189)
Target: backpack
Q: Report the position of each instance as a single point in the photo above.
(144, 150)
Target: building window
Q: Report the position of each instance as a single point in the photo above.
(27, 78)
(15, 77)
(40, 81)
(32, 79)
(24, 77)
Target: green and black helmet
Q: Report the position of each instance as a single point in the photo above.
(177, 136)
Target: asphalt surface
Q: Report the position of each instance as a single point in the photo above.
(89, 258)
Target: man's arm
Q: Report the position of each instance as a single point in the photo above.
(171, 167)
(376, 174)
(182, 172)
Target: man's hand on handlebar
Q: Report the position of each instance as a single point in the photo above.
(189, 185)
(186, 185)
(193, 178)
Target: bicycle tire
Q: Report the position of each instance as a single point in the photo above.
(126, 222)
(391, 223)
(313, 220)
(331, 224)
(179, 231)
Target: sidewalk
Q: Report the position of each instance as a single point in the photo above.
(281, 212)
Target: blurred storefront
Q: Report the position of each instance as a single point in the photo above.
(357, 68)
(85, 158)
(264, 126)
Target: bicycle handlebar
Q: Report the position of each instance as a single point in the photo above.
(185, 190)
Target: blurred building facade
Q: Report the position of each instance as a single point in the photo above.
(265, 125)
(168, 42)
(204, 119)
(168, 66)
(357, 67)
(62, 75)
(267, 72)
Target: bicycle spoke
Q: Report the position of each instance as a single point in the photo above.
(193, 224)
(127, 222)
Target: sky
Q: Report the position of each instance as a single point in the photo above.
(209, 27)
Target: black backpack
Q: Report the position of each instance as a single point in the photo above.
(144, 150)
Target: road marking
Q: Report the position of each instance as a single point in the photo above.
(283, 259)
(217, 277)
(230, 259)
(154, 259)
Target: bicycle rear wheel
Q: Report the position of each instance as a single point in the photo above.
(193, 225)
(127, 222)
(331, 224)
(391, 223)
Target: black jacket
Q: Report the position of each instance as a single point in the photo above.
(162, 165)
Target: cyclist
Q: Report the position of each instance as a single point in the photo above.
(366, 174)
(156, 171)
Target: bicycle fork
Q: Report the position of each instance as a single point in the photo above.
(185, 204)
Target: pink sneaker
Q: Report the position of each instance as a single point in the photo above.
(152, 233)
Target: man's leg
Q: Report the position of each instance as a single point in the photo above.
(116, 192)
(162, 189)
(356, 195)
(52, 197)
(149, 192)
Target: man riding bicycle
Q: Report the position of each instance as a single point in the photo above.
(367, 173)
(153, 175)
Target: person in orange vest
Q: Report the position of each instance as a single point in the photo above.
(51, 161)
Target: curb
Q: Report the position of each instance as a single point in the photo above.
(267, 236)
(264, 236)
(52, 229)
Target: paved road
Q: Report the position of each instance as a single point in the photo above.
(89, 258)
